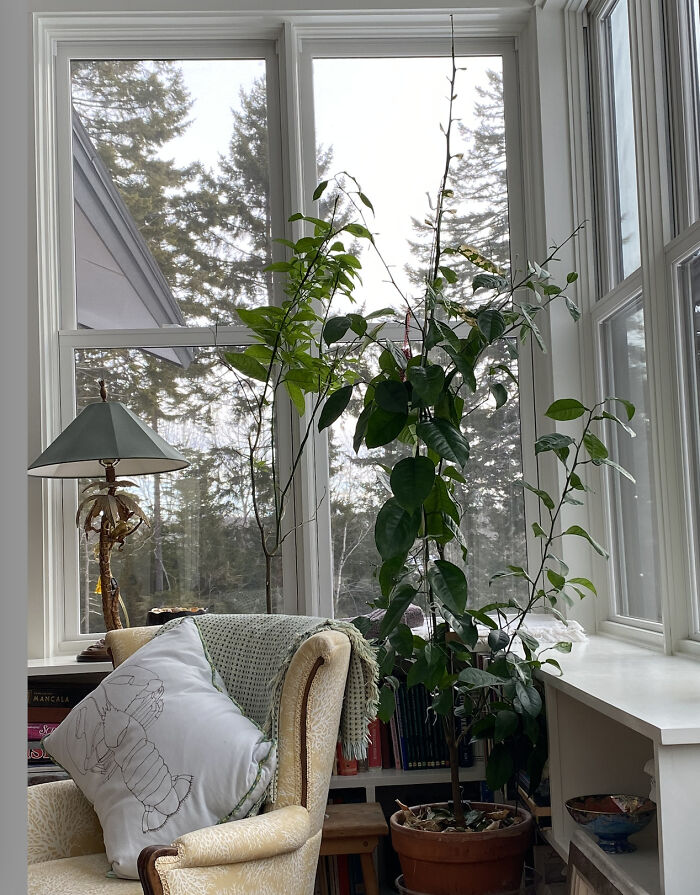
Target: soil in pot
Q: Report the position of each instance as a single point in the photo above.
(452, 863)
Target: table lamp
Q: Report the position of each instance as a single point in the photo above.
(105, 436)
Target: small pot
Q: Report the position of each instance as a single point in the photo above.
(463, 863)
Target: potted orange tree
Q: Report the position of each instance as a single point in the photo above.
(420, 395)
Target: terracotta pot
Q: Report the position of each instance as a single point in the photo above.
(463, 863)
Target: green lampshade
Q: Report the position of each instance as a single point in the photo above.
(107, 431)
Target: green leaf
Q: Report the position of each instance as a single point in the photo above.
(390, 572)
(595, 447)
(564, 646)
(490, 321)
(334, 406)
(500, 393)
(506, 725)
(335, 329)
(247, 365)
(398, 604)
(538, 531)
(402, 641)
(584, 582)
(387, 704)
(318, 192)
(543, 495)
(365, 201)
(498, 639)
(499, 767)
(383, 427)
(555, 579)
(445, 440)
(582, 533)
(412, 480)
(620, 469)
(279, 267)
(297, 396)
(628, 405)
(571, 277)
(392, 396)
(616, 419)
(395, 529)
(427, 382)
(554, 442)
(448, 274)
(361, 427)
(442, 705)
(478, 678)
(565, 409)
(529, 698)
(449, 585)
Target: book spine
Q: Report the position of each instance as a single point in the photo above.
(346, 766)
(393, 729)
(343, 875)
(401, 725)
(425, 728)
(37, 730)
(58, 695)
(415, 739)
(374, 751)
(47, 713)
(385, 739)
(36, 752)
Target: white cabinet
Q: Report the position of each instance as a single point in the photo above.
(615, 707)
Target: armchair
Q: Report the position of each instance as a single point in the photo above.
(274, 852)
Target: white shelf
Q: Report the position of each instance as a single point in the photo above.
(370, 780)
(640, 867)
(656, 695)
(65, 665)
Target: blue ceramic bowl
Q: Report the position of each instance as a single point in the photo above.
(612, 818)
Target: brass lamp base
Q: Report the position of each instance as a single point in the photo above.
(96, 652)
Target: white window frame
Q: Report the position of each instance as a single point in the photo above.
(309, 565)
(663, 172)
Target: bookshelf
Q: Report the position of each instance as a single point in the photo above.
(616, 706)
(376, 778)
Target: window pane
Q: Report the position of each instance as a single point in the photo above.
(689, 276)
(392, 144)
(627, 211)
(170, 171)
(634, 556)
(404, 104)
(202, 547)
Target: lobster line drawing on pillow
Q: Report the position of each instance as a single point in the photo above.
(111, 733)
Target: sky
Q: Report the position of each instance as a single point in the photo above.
(381, 116)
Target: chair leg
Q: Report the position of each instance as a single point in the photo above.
(369, 874)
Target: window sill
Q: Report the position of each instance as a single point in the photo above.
(654, 694)
(64, 665)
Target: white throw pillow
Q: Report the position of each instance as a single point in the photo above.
(160, 749)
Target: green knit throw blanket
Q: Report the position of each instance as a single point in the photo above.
(244, 648)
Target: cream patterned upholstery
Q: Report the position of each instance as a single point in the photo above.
(275, 852)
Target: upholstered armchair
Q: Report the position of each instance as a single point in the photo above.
(273, 852)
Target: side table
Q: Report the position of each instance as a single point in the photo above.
(355, 829)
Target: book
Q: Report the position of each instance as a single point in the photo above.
(374, 749)
(57, 695)
(36, 753)
(45, 773)
(385, 737)
(395, 750)
(346, 766)
(37, 730)
(42, 714)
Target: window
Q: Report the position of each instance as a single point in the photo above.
(403, 110)
(171, 193)
(644, 104)
(636, 583)
(172, 167)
